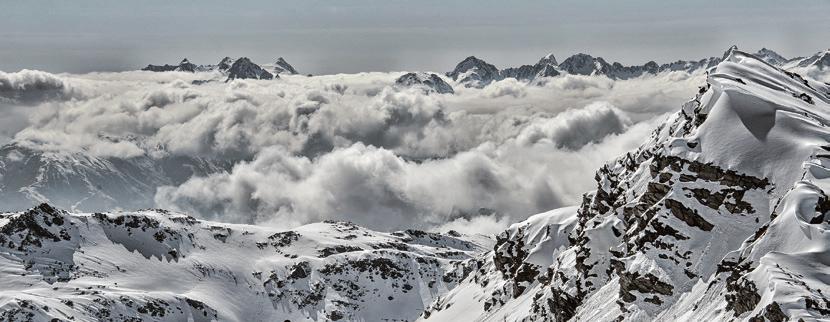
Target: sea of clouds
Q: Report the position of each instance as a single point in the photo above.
(351, 146)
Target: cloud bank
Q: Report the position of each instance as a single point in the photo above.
(349, 147)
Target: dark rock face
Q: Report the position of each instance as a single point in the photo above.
(509, 258)
(282, 66)
(431, 82)
(474, 72)
(224, 64)
(243, 68)
(682, 204)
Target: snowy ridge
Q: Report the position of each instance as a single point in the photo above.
(720, 216)
(160, 266)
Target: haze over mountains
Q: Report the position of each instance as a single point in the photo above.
(718, 212)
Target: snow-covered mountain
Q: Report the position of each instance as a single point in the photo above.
(244, 68)
(545, 67)
(425, 81)
(474, 72)
(721, 215)
(155, 265)
(820, 60)
(224, 64)
(771, 57)
(84, 181)
(282, 66)
(183, 66)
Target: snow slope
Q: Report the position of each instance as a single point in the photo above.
(84, 181)
(719, 216)
(155, 265)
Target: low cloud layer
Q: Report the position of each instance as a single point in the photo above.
(349, 147)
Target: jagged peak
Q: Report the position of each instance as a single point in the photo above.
(245, 68)
(548, 59)
(284, 66)
(729, 51)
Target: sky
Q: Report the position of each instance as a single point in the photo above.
(326, 37)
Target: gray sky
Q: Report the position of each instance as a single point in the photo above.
(373, 35)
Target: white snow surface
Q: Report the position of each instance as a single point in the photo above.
(155, 265)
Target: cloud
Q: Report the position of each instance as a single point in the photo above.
(27, 85)
(575, 128)
(355, 147)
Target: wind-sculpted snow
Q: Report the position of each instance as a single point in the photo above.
(488, 156)
(162, 266)
(720, 215)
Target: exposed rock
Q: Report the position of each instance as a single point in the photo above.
(243, 68)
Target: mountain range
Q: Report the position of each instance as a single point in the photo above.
(474, 72)
(721, 214)
(477, 73)
(240, 68)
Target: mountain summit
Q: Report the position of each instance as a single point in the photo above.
(474, 72)
(244, 68)
(282, 66)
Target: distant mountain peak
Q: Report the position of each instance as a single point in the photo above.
(584, 64)
(244, 68)
(770, 56)
(184, 66)
(729, 52)
(282, 66)
(430, 82)
(474, 72)
(224, 64)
